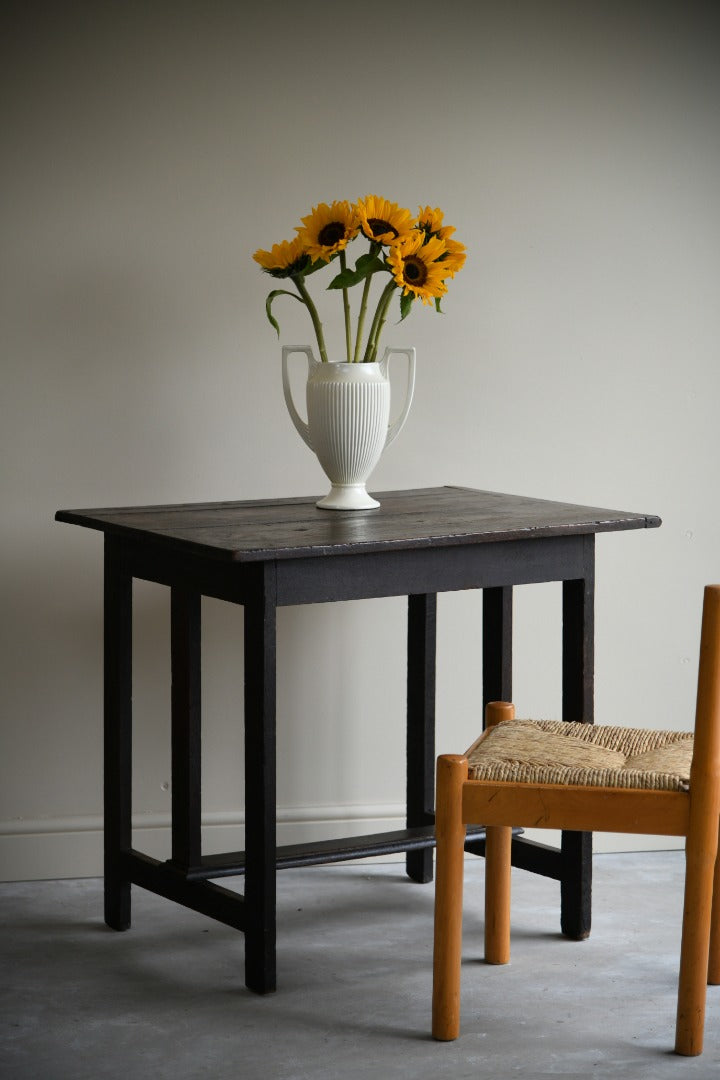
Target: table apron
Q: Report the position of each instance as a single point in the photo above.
(404, 572)
(434, 570)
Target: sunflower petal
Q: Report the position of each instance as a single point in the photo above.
(381, 221)
(328, 229)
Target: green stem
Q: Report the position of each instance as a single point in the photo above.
(379, 321)
(346, 308)
(307, 300)
(361, 316)
(373, 328)
(374, 249)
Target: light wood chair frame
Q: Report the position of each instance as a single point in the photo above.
(499, 806)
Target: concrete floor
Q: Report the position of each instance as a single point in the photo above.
(167, 1000)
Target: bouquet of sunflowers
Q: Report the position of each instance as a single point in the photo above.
(416, 255)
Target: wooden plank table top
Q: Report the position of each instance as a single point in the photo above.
(257, 531)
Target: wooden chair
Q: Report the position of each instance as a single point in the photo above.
(599, 779)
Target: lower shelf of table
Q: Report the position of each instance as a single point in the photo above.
(195, 888)
(530, 856)
(230, 864)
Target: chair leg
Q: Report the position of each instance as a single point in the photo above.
(714, 961)
(450, 832)
(498, 842)
(694, 952)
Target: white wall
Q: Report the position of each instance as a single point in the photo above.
(149, 149)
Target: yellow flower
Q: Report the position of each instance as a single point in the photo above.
(418, 268)
(431, 221)
(327, 230)
(454, 259)
(383, 221)
(286, 258)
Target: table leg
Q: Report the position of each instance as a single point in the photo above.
(117, 733)
(578, 698)
(422, 624)
(185, 606)
(260, 785)
(497, 645)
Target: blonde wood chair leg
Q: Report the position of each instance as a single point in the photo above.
(498, 843)
(450, 858)
(694, 951)
(701, 852)
(497, 711)
(714, 960)
(702, 838)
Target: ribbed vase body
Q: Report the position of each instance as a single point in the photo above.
(348, 412)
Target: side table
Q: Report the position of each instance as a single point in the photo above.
(268, 554)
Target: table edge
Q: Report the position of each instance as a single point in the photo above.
(629, 521)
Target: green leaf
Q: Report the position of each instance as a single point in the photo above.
(364, 267)
(344, 280)
(268, 305)
(406, 303)
(368, 264)
(437, 305)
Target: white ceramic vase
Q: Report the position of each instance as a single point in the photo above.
(348, 410)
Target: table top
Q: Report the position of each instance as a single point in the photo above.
(295, 528)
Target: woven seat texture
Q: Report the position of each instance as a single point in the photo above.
(555, 752)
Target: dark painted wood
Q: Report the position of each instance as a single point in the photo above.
(403, 571)
(578, 672)
(497, 623)
(420, 741)
(578, 703)
(316, 853)
(260, 786)
(497, 644)
(576, 884)
(185, 731)
(294, 528)
(117, 750)
(166, 880)
(526, 854)
(536, 858)
(267, 554)
(355, 577)
(234, 582)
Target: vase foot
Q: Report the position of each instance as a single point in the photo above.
(347, 497)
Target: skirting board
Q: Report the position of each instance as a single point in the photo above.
(72, 847)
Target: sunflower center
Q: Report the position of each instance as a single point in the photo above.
(331, 234)
(378, 227)
(415, 271)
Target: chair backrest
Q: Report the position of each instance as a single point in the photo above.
(706, 755)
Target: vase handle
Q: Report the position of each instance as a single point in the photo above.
(396, 427)
(287, 350)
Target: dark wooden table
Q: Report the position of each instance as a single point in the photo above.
(264, 555)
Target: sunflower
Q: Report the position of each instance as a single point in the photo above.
(431, 222)
(285, 259)
(327, 230)
(454, 259)
(418, 268)
(383, 221)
